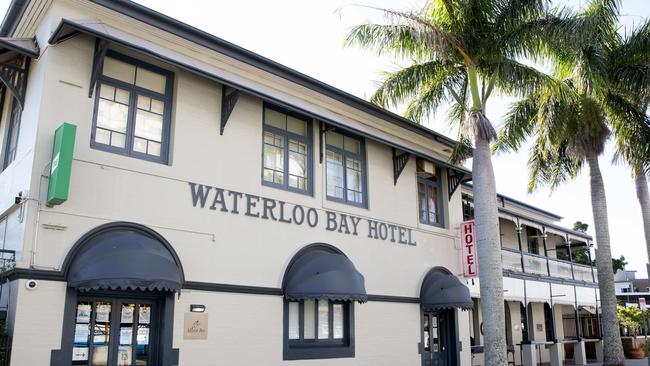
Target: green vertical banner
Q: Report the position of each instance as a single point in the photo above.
(59, 184)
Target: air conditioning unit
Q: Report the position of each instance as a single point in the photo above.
(426, 168)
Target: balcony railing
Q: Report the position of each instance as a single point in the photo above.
(546, 266)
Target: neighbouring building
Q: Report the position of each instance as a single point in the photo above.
(630, 289)
(169, 198)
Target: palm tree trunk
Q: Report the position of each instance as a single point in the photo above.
(644, 200)
(612, 347)
(489, 254)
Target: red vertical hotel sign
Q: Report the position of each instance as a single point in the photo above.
(468, 242)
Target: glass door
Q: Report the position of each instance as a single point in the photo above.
(435, 338)
(113, 332)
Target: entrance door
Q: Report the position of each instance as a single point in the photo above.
(115, 332)
(437, 339)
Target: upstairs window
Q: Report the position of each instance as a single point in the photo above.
(345, 169)
(533, 236)
(287, 151)
(12, 131)
(132, 109)
(430, 199)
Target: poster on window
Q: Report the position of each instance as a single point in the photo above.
(103, 313)
(83, 313)
(80, 354)
(127, 314)
(81, 333)
(124, 356)
(145, 314)
(126, 336)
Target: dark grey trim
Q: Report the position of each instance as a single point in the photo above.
(13, 16)
(71, 29)
(228, 102)
(180, 29)
(239, 289)
(399, 163)
(398, 299)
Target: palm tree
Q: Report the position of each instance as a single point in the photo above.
(459, 53)
(570, 129)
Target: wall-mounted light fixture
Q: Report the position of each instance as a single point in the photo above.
(196, 308)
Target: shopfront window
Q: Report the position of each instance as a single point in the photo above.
(287, 151)
(113, 332)
(345, 169)
(132, 109)
(318, 328)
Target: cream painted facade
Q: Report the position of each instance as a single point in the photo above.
(232, 263)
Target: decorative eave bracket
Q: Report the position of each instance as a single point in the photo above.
(322, 130)
(14, 78)
(228, 102)
(101, 47)
(399, 163)
(455, 179)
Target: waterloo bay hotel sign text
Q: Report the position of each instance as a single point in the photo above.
(238, 203)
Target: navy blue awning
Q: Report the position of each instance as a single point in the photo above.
(124, 260)
(443, 290)
(322, 273)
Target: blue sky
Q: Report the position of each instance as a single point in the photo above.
(307, 36)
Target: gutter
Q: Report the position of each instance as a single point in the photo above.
(13, 16)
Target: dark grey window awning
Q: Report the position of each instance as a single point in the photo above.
(322, 272)
(443, 290)
(124, 259)
(24, 46)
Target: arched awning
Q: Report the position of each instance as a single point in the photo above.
(443, 290)
(323, 272)
(123, 257)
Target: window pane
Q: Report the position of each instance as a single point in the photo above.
(351, 144)
(151, 80)
(119, 70)
(148, 125)
(144, 102)
(338, 320)
(297, 165)
(354, 180)
(153, 148)
(422, 203)
(310, 319)
(140, 145)
(275, 118)
(323, 319)
(335, 139)
(112, 115)
(273, 158)
(334, 174)
(106, 92)
(296, 126)
(122, 96)
(294, 320)
(118, 139)
(157, 106)
(101, 333)
(432, 193)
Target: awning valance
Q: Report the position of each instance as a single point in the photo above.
(321, 272)
(124, 259)
(443, 290)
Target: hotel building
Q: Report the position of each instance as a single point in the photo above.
(169, 198)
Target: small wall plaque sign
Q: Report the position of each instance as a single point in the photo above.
(195, 326)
